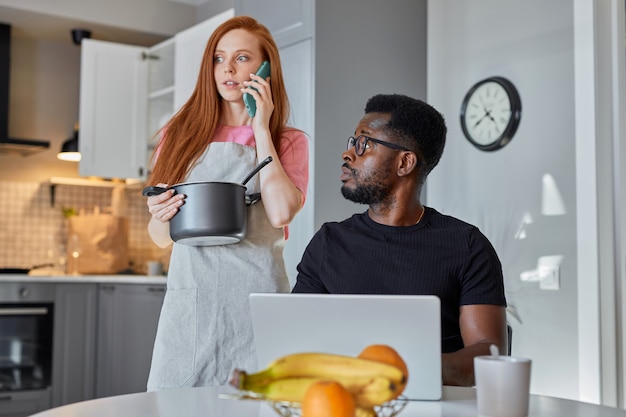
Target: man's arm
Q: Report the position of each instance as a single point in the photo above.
(481, 326)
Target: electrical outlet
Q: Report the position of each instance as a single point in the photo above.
(550, 278)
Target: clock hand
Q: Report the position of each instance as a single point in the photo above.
(488, 114)
(481, 119)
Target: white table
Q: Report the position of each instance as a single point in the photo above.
(205, 402)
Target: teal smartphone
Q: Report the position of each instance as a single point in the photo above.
(263, 72)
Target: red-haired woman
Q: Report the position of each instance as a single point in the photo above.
(204, 329)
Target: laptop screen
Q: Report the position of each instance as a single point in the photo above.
(346, 324)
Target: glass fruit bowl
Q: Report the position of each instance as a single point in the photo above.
(289, 409)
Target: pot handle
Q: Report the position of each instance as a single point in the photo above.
(257, 169)
(252, 198)
(153, 190)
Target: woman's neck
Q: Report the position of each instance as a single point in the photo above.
(234, 114)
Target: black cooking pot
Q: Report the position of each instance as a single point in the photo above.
(214, 213)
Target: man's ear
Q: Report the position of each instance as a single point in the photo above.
(407, 163)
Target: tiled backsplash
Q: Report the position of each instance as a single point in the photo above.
(33, 230)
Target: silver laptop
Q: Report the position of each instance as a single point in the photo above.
(346, 324)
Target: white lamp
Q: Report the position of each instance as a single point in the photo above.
(551, 200)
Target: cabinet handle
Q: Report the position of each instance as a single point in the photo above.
(6, 398)
(145, 55)
(20, 311)
(107, 287)
(156, 289)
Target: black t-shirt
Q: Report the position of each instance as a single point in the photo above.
(441, 256)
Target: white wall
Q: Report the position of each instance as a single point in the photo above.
(362, 48)
(532, 44)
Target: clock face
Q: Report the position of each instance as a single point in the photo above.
(491, 113)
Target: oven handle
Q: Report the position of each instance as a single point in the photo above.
(39, 311)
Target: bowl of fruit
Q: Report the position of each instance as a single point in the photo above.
(317, 384)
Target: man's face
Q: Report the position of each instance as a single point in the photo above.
(367, 178)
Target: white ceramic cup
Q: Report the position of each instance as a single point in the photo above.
(502, 385)
(155, 268)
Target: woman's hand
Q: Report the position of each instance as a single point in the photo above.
(262, 94)
(281, 199)
(165, 205)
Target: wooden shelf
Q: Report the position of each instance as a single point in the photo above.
(53, 182)
(95, 182)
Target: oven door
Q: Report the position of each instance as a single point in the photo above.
(25, 346)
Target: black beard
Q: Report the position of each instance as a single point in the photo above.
(376, 191)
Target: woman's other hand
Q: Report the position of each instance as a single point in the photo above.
(165, 205)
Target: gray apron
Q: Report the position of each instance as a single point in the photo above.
(205, 329)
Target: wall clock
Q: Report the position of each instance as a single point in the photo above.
(490, 113)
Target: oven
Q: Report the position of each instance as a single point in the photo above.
(25, 345)
(26, 341)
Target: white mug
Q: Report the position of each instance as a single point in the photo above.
(155, 268)
(502, 385)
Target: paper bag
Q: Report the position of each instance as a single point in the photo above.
(97, 244)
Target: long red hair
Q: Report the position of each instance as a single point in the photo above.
(192, 128)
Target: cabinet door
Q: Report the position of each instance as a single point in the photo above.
(290, 21)
(190, 44)
(113, 92)
(127, 322)
(74, 350)
(160, 94)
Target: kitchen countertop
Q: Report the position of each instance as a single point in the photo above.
(85, 279)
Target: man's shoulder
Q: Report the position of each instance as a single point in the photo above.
(447, 220)
(349, 222)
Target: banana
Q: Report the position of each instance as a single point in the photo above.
(365, 412)
(323, 365)
(285, 389)
(367, 391)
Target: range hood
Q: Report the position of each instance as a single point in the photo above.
(22, 147)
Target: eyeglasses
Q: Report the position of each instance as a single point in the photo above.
(360, 143)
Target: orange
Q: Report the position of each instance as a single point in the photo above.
(388, 355)
(327, 399)
(385, 354)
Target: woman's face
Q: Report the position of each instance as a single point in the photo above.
(237, 55)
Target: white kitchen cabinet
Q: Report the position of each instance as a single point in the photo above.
(112, 113)
(290, 21)
(190, 45)
(127, 321)
(160, 95)
(128, 92)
